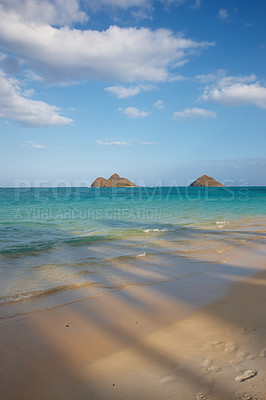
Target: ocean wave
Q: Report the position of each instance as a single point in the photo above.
(39, 293)
(21, 250)
(154, 230)
(24, 248)
(220, 224)
(84, 239)
(141, 254)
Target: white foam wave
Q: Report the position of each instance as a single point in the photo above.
(154, 230)
(141, 254)
(220, 224)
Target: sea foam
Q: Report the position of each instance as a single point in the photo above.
(154, 230)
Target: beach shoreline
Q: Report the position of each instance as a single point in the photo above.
(184, 339)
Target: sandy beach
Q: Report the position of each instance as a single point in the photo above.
(132, 200)
(147, 342)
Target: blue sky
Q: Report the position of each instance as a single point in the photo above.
(160, 92)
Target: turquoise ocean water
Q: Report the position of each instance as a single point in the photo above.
(55, 240)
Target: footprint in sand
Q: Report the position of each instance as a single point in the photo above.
(263, 352)
(205, 363)
(201, 396)
(207, 347)
(227, 347)
(168, 379)
(230, 347)
(244, 396)
(241, 357)
(214, 368)
(217, 345)
(208, 364)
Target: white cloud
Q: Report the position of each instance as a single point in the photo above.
(9, 64)
(102, 143)
(177, 78)
(126, 4)
(148, 143)
(159, 104)
(212, 77)
(219, 79)
(236, 91)
(15, 105)
(238, 94)
(142, 13)
(133, 112)
(192, 113)
(67, 12)
(34, 145)
(52, 12)
(197, 4)
(172, 2)
(96, 4)
(123, 54)
(248, 24)
(231, 80)
(31, 76)
(223, 14)
(122, 92)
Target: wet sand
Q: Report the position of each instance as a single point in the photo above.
(186, 339)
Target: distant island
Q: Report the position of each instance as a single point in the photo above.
(206, 181)
(114, 181)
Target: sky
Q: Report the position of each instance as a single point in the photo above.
(158, 91)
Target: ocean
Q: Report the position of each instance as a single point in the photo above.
(54, 241)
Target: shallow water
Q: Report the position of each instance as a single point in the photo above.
(53, 240)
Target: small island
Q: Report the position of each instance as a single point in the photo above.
(114, 181)
(206, 181)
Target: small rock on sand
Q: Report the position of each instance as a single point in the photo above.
(246, 375)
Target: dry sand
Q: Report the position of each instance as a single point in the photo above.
(148, 342)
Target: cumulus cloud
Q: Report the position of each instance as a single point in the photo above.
(133, 112)
(223, 14)
(125, 5)
(34, 145)
(16, 105)
(96, 4)
(197, 4)
(122, 54)
(238, 94)
(122, 92)
(9, 64)
(211, 77)
(177, 78)
(172, 2)
(159, 104)
(52, 12)
(192, 113)
(220, 78)
(234, 90)
(115, 143)
(67, 12)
